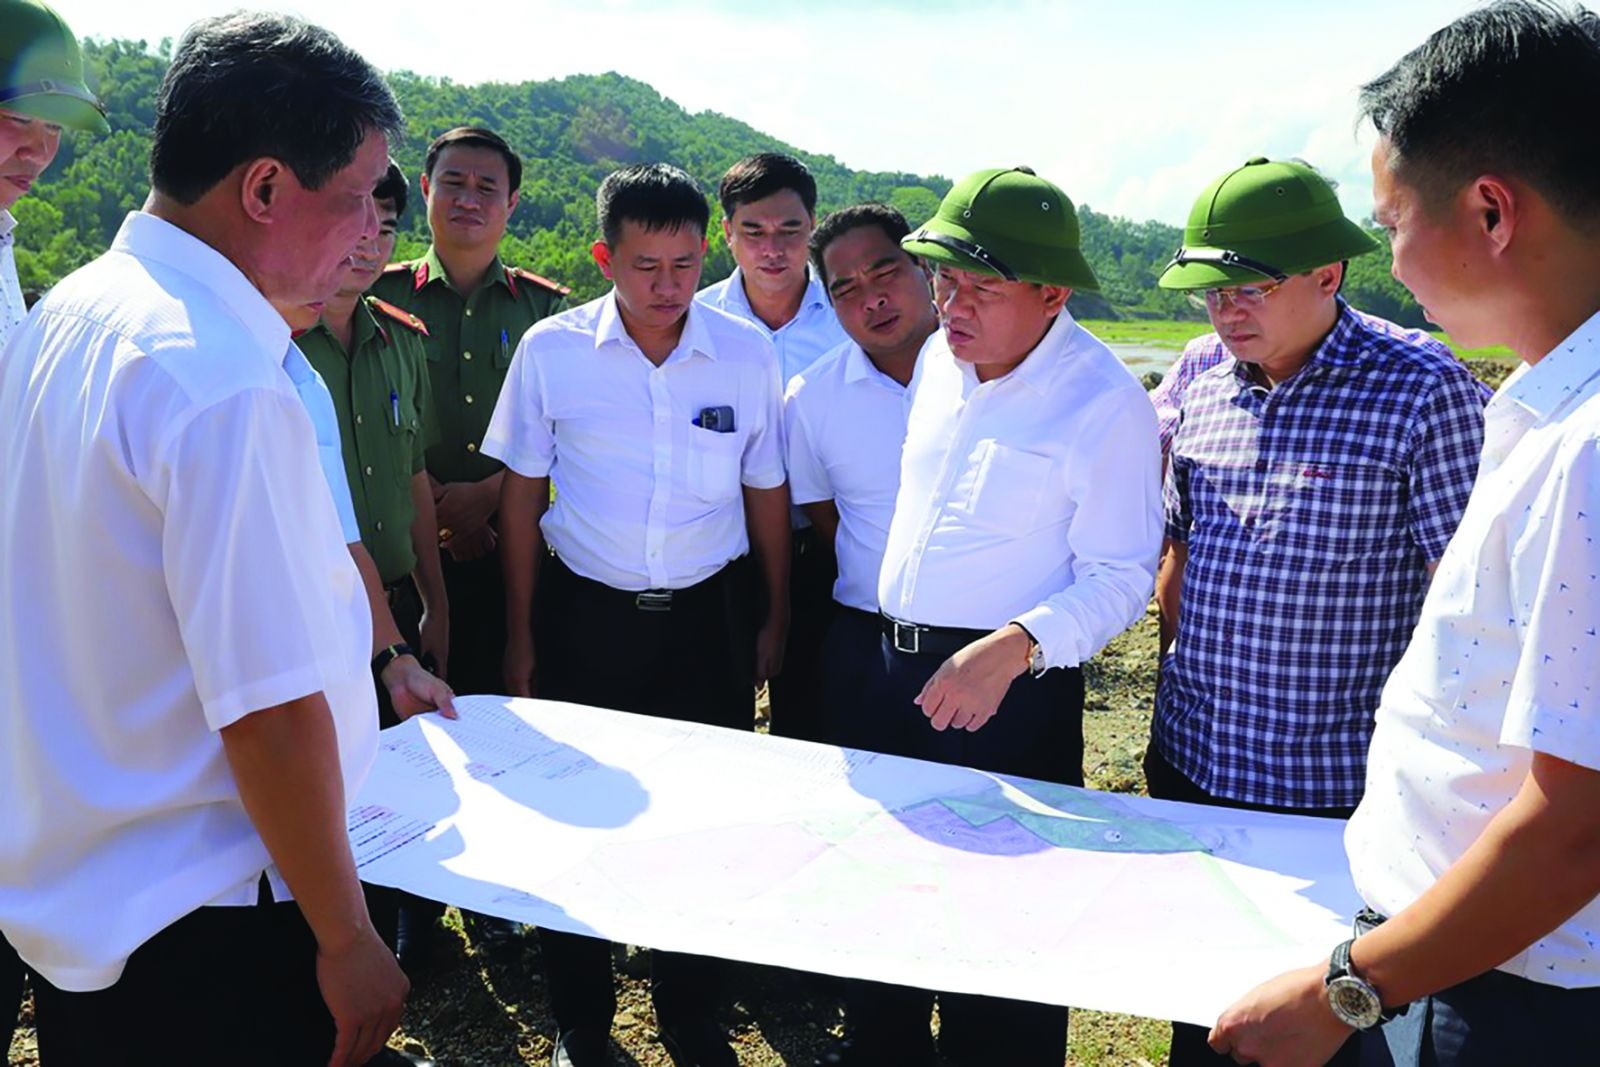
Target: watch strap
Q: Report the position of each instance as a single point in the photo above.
(389, 655)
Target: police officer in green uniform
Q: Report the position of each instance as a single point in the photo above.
(370, 355)
(476, 309)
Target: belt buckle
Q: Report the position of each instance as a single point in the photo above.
(654, 600)
(915, 646)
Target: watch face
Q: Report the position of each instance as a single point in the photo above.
(1354, 1002)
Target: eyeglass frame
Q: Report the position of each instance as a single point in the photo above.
(1213, 298)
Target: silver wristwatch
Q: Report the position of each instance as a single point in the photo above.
(1352, 998)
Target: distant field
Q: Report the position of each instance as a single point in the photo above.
(1174, 334)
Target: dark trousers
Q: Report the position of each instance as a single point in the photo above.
(11, 975)
(794, 697)
(694, 661)
(1166, 782)
(1492, 1020)
(477, 624)
(231, 985)
(1037, 733)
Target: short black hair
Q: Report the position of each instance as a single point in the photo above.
(759, 176)
(394, 187)
(838, 223)
(658, 196)
(247, 86)
(476, 137)
(1498, 91)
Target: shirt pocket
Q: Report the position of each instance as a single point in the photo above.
(714, 464)
(1333, 514)
(1008, 486)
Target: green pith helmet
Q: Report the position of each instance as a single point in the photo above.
(41, 69)
(1263, 222)
(1008, 222)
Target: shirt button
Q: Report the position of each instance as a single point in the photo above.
(358, 420)
(469, 313)
(471, 447)
(466, 355)
(369, 472)
(469, 398)
(379, 527)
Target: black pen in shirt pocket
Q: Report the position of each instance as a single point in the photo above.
(718, 419)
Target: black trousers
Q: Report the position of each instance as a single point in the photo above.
(695, 662)
(11, 975)
(477, 624)
(1037, 733)
(795, 696)
(233, 985)
(1166, 782)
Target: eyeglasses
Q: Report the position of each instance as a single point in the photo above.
(1243, 297)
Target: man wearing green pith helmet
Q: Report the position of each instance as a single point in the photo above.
(1024, 539)
(41, 91)
(1315, 474)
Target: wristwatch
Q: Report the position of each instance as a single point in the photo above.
(389, 655)
(1351, 997)
(1036, 665)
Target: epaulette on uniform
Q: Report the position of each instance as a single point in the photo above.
(400, 315)
(513, 274)
(417, 268)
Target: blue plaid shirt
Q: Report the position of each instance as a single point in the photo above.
(1310, 512)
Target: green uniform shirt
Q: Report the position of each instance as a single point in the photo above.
(470, 341)
(381, 395)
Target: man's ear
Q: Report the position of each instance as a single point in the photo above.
(261, 187)
(1055, 298)
(1328, 278)
(727, 229)
(1497, 208)
(425, 185)
(602, 257)
(511, 201)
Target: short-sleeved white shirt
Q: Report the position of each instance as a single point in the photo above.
(645, 498)
(1033, 498)
(174, 563)
(1505, 659)
(846, 421)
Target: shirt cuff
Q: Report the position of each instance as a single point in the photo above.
(763, 479)
(1059, 637)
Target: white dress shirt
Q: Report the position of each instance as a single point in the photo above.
(812, 333)
(1505, 660)
(12, 309)
(1034, 498)
(173, 564)
(846, 421)
(645, 498)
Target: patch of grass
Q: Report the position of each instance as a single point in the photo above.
(1155, 333)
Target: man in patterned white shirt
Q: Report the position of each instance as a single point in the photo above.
(1314, 478)
(1477, 844)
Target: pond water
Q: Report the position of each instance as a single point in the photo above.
(1142, 359)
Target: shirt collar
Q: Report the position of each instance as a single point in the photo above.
(434, 272)
(7, 224)
(144, 236)
(609, 329)
(1562, 374)
(735, 297)
(858, 367)
(1037, 366)
(1343, 347)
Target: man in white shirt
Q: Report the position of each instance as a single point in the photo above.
(769, 207)
(184, 669)
(41, 90)
(846, 421)
(657, 420)
(1024, 538)
(1477, 844)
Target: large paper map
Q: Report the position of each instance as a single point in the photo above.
(695, 838)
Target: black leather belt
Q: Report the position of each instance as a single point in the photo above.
(917, 640)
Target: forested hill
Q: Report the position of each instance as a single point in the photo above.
(570, 132)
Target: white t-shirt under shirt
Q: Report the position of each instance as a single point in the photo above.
(645, 497)
(1505, 660)
(174, 563)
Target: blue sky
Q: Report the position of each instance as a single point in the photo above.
(1132, 106)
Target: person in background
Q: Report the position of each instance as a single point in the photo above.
(769, 207)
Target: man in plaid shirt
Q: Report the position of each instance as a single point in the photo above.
(1315, 475)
